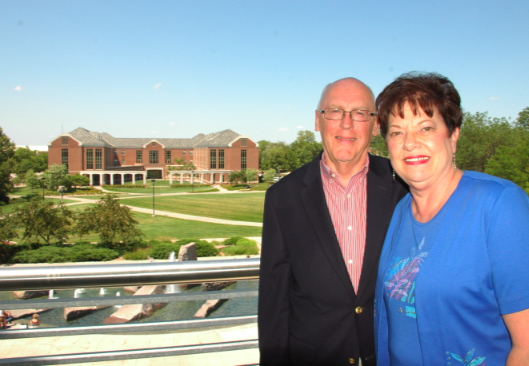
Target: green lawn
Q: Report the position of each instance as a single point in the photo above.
(238, 207)
(155, 227)
(11, 207)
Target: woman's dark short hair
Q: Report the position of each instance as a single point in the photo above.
(427, 91)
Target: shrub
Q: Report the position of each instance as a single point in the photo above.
(123, 247)
(245, 243)
(138, 255)
(163, 250)
(124, 186)
(7, 252)
(165, 239)
(205, 249)
(239, 250)
(45, 254)
(92, 254)
(233, 240)
(242, 246)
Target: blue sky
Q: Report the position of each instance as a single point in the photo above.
(178, 68)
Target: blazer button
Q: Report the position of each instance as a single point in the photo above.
(351, 360)
(359, 310)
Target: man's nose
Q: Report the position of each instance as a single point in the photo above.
(347, 121)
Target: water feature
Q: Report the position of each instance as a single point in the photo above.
(172, 311)
(51, 295)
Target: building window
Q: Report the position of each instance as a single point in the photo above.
(191, 152)
(99, 159)
(243, 159)
(122, 161)
(183, 152)
(64, 157)
(139, 156)
(244, 142)
(168, 156)
(153, 156)
(213, 159)
(64, 141)
(89, 158)
(221, 159)
(153, 144)
(122, 152)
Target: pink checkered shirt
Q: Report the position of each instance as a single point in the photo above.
(348, 207)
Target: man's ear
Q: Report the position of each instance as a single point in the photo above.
(317, 120)
(376, 128)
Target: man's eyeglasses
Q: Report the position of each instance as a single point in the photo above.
(358, 115)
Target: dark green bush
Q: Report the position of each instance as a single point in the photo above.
(7, 252)
(124, 186)
(205, 249)
(65, 253)
(124, 247)
(163, 250)
(245, 243)
(45, 254)
(233, 240)
(92, 254)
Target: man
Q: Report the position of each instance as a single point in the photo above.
(324, 226)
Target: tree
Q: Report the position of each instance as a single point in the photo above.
(79, 180)
(275, 156)
(7, 151)
(8, 228)
(182, 165)
(31, 179)
(237, 176)
(57, 175)
(111, 220)
(479, 139)
(25, 159)
(523, 119)
(269, 175)
(379, 147)
(43, 220)
(512, 163)
(251, 175)
(303, 150)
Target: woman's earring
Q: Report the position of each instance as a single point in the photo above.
(454, 161)
(393, 174)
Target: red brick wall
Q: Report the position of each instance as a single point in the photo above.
(75, 154)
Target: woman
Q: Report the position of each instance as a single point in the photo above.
(453, 280)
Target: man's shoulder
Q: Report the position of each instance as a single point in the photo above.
(296, 179)
(379, 163)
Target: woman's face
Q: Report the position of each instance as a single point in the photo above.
(420, 149)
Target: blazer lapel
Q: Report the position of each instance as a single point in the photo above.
(313, 199)
(379, 189)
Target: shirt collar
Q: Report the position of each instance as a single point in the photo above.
(330, 175)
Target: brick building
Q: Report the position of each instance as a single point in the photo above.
(109, 160)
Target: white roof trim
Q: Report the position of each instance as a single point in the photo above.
(238, 138)
(151, 141)
(65, 134)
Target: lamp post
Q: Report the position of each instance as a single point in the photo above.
(153, 214)
(192, 181)
(42, 182)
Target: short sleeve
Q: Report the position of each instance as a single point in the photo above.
(508, 247)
